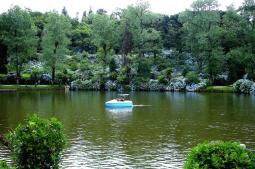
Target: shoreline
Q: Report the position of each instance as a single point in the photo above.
(13, 88)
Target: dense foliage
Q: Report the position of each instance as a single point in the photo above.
(129, 46)
(4, 165)
(220, 155)
(37, 143)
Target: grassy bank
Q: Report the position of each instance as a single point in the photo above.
(30, 87)
(219, 89)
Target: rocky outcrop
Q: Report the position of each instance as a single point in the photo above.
(88, 85)
(111, 85)
(177, 84)
(73, 85)
(196, 87)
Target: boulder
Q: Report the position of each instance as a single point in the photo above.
(73, 85)
(195, 87)
(45, 79)
(154, 85)
(110, 85)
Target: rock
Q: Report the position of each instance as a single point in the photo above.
(110, 85)
(154, 85)
(177, 84)
(45, 78)
(195, 87)
(73, 85)
(88, 85)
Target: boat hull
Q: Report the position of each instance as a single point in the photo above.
(116, 104)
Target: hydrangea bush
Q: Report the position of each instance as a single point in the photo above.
(243, 86)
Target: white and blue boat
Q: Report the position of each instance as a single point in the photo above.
(120, 102)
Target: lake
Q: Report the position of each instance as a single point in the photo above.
(156, 136)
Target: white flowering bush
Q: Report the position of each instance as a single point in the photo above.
(243, 86)
(252, 91)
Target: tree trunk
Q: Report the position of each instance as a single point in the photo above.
(105, 53)
(17, 75)
(53, 74)
(154, 56)
(17, 66)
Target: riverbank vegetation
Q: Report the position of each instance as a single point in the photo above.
(220, 154)
(131, 48)
(30, 87)
(35, 144)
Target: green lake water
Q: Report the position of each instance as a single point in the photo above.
(156, 136)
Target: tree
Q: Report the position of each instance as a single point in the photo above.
(127, 44)
(81, 38)
(19, 35)
(234, 40)
(202, 36)
(55, 40)
(103, 27)
(248, 12)
(39, 21)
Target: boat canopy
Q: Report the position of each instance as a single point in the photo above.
(123, 95)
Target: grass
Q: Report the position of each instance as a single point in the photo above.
(30, 87)
(219, 89)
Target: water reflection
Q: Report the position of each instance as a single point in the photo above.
(123, 113)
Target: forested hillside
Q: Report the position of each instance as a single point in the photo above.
(131, 47)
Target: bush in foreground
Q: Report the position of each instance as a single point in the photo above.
(220, 155)
(37, 143)
(4, 165)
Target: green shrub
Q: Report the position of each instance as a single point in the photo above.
(3, 77)
(165, 76)
(191, 77)
(219, 155)
(124, 75)
(4, 165)
(112, 65)
(168, 73)
(37, 143)
(35, 74)
(140, 80)
(113, 76)
(122, 79)
(144, 68)
(162, 79)
(26, 76)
